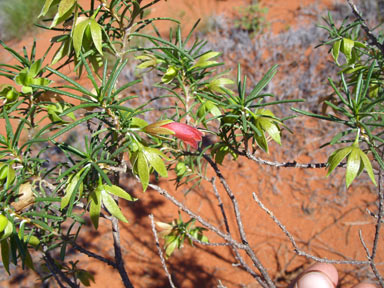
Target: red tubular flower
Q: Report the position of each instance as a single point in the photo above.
(184, 132)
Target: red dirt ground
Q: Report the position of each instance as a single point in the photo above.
(323, 223)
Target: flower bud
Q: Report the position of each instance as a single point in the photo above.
(186, 133)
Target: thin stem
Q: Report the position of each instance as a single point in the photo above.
(118, 255)
(294, 244)
(239, 222)
(161, 252)
(226, 237)
(93, 255)
(372, 256)
(220, 204)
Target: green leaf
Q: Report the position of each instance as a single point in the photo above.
(35, 68)
(367, 166)
(336, 157)
(62, 51)
(353, 165)
(96, 35)
(11, 175)
(61, 16)
(117, 191)
(95, 206)
(269, 126)
(170, 248)
(47, 5)
(138, 122)
(169, 75)
(143, 170)
(23, 78)
(28, 260)
(180, 169)
(85, 277)
(217, 85)
(220, 151)
(3, 222)
(5, 255)
(65, 6)
(155, 161)
(148, 61)
(336, 50)
(212, 108)
(7, 231)
(78, 34)
(347, 46)
(32, 240)
(263, 82)
(112, 207)
(41, 81)
(262, 142)
(204, 60)
(72, 183)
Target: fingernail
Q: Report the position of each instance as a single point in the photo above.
(314, 280)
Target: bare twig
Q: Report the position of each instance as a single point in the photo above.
(291, 164)
(161, 252)
(239, 222)
(296, 247)
(373, 214)
(371, 256)
(93, 255)
(213, 183)
(118, 255)
(211, 227)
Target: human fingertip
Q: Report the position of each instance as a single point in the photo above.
(314, 279)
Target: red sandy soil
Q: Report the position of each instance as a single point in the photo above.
(323, 223)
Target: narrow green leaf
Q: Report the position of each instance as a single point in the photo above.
(117, 191)
(336, 157)
(262, 142)
(346, 48)
(95, 206)
(212, 108)
(170, 248)
(61, 18)
(62, 51)
(72, 183)
(156, 162)
(3, 222)
(336, 50)
(353, 165)
(65, 6)
(143, 170)
(138, 122)
(367, 166)
(204, 60)
(5, 255)
(112, 206)
(264, 81)
(271, 128)
(78, 35)
(96, 35)
(47, 5)
(101, 173)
